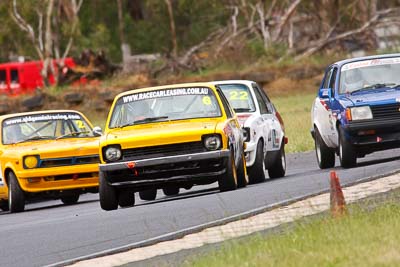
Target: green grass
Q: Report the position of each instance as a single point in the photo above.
(295, 111)
(364, 238)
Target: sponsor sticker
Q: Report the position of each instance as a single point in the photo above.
(165, 93)
(42, 117)
(373, 62)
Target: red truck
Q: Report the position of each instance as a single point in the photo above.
(25, 77)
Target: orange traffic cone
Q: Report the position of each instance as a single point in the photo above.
(338, 203)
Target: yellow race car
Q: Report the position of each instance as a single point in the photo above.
(47, 154)
(169, 137)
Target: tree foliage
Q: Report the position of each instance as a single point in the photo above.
(282, 28)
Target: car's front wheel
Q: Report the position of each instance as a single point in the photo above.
(278, 169)
(70, 199)
(126, 199)
(257, 171)
(171, 190)
(347, 153)
(16, 196)
(242, 177)
(149, 194)
(228, 181)
(108, 194)
(325, 155)
(4, 205)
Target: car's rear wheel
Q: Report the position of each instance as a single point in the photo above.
(149, 194)
(108, 194)
(70, 199)
(347, 154)
(325, 155)
(228, 181)
(257, 171)
(242, 178)
(171, 190)
(126, 199)
(16, 196)
(278, 169)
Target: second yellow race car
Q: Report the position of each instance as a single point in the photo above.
(47, 154)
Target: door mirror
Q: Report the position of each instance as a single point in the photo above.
(97, 131)
(325, 93)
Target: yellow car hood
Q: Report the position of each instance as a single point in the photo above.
(66, 147)
(161, 133)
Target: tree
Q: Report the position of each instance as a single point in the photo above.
(47, 44)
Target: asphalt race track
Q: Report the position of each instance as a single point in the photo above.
(50, 233)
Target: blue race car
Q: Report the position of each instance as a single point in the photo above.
(357, 110)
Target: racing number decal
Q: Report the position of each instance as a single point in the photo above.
(80, 124)
(238, 95)
(206, 100)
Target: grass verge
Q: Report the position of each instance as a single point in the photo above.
(295, 111)
(369, 236)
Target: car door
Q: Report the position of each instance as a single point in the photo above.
(322, 115)
(268, 127)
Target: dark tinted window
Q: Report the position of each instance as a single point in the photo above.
(14, 76)
(260, 101)
(2, 76)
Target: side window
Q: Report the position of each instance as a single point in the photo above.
(225, 104)
(327, 78)
(14, 76)
(333, 80)
(261, 103)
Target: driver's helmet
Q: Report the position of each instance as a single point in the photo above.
(353, 80)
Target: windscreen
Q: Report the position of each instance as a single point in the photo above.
(44, 126)
(239, 97)
(370, 75)
(164, 105)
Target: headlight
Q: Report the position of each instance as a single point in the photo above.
(31, 162)
(112, 153)
(212, 142)
(360, 113)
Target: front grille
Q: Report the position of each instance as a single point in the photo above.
(389, 111)
(163, 150)
(71, 176)
(56, 162)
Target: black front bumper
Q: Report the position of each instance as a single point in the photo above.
(386, 134)
(374, 124)
(159, 172)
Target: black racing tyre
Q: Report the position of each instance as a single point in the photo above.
(171, 190)
(228, 180)
(126, 199)
(4, 205)
(242, 178)
(257, 171)
(16, 196)
(347, 154)
(108, 194)
(325, 155)
(149, 194)
(278, 169)
(70, 199)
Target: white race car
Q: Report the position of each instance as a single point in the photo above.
(264, 128)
